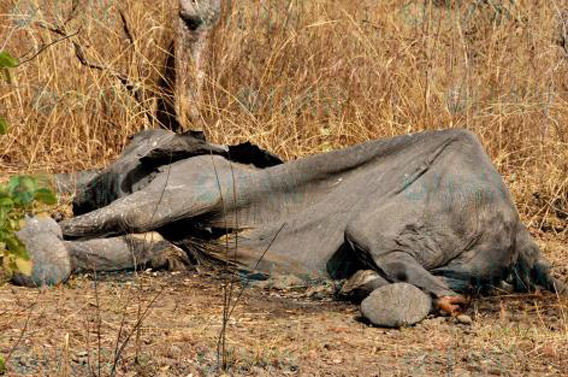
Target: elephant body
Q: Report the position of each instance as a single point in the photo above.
(428, 209)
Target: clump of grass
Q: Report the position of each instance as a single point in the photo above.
(300, 78)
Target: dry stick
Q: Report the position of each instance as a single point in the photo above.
(45, 47)
(428, 53)
(24, 329)
(118, 349)
(137, 338)
(124, 311)
(88, 338)
(132, 39)
(221, 341)
(126, 27)
(232, 281)
(228, 296)
(255, 267)
(98, 324)
(73, 13)
(137, 325)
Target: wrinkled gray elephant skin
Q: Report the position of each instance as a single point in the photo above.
(428, 209)
(51, 263)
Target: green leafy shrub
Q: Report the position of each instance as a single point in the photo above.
(18, 198)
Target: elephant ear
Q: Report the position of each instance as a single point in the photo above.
(193, 143)
(180, 147)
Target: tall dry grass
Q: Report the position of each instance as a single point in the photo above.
(301, 77)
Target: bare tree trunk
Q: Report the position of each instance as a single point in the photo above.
(195, 21)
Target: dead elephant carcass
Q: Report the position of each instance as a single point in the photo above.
(427, 209)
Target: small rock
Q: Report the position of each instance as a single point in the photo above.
(81, 357)
(287, 281)
(434, 322)
(464, 319)
(318, 292)
(174, 352)
(396, 305)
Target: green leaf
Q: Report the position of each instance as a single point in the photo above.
(16, 247)
(6, 202)
(13, 184)
(3, 126)
(46, 196)
(28, 184)
(23, 198)
(7, 61)
(22, 188)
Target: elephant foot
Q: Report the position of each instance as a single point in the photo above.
(50, 260)
(396, 305)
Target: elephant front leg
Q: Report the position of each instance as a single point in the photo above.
(126, 253)
(402, 267)
(398, 266)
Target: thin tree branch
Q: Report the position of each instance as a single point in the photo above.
(73, 13)
(45, 47)
(132, 87)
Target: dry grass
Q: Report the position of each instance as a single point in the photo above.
(272, 333)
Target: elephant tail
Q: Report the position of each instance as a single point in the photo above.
(532, 270)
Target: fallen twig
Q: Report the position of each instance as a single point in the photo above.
(137, 325)
(24, 329)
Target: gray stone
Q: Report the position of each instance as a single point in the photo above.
(464, 319)
(51, 263)
(396, 305)
(280, 282)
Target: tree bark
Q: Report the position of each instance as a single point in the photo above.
(179, 109)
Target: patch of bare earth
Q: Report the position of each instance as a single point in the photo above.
(72, 329)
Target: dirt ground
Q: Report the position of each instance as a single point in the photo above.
(73, 329)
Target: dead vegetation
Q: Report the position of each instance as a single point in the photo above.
(294, 332)
(298, 78)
